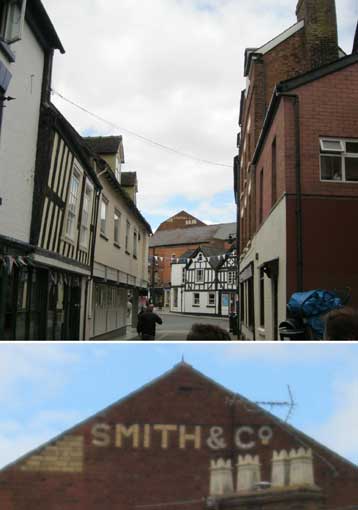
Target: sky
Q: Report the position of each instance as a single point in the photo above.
(47, 388)
(171, 71)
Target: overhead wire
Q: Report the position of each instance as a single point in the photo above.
(137, 135)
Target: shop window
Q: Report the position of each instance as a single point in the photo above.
(339, 160)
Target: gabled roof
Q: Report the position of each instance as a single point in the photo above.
(294, 83)
(39, 20)
(211, 252)
(74, 138)
(270, 45)
(104, 144)
(186, 369)
(194, 235)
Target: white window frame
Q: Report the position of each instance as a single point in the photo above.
(196, 302)
(214, 300)
(104, 201)
(200, 271)
(135, 241)
(85, 226)
(116, 239)
(77, 172)
(10, 10)
(339, 152)
(128, 229)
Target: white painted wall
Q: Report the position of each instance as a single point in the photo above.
(18, 138)
(269, 243)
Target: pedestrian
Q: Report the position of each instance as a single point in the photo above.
(207, 332)
(146, 323)
(341, 324)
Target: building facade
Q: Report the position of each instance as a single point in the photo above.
(204, 282)
(297, 170)
(120, 270)
(169, 244)
(182, 440)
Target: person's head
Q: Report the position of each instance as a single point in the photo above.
(341, 324)
(207, 332)
(150, 308)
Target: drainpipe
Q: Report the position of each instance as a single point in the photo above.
(299, 218)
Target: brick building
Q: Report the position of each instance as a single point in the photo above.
(181, 440)
(296, 177)
(172, 239)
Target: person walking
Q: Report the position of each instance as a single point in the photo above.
(146, 323)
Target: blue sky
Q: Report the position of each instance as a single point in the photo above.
(171, 70)
(47, 388)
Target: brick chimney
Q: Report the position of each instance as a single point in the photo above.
(321, 35)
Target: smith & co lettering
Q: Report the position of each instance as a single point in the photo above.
(177, 436)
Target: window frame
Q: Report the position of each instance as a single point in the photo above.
(5, 21)
(135, 241)
(76, 172)
(210, 294)
(197, 279)
(342, 154)
(116, 223)
(128, 228)
(196, 302)
(88, 186)
(105, 202)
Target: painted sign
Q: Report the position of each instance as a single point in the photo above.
(180, 436)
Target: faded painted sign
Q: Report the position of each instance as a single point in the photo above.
(180, 436)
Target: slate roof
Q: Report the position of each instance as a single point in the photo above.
(129, 178)
(194, 235)
(104, 144)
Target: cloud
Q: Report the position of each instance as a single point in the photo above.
(18, 438)
(339, 430)
(286, 353)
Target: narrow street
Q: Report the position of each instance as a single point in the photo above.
(176, 327)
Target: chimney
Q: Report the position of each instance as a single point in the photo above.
(248, 472)
(321, 35)
(221, 477)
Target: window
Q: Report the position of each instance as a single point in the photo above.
(261, 211)
(273, 175)
(231, 277)
(116, 224)
(262, 298)
(2, 106)
(175, 298)
(183, 276)
(339, 160)
(72, 207)
(173, 258)
(200, 257)
(199, 275)
(190, 222)
(196, 299)
(211, 299)
(128, 228)
(135, 237)
(12, 15)
(104, 215)
(86, 211)
(118, 169)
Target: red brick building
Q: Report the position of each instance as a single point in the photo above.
(297, 170)
(172, 239)
(182, 440)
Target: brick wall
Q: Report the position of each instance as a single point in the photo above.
(156, 447)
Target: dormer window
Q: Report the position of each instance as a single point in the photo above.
(12, 16)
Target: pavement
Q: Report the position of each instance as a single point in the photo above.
(175, 326)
